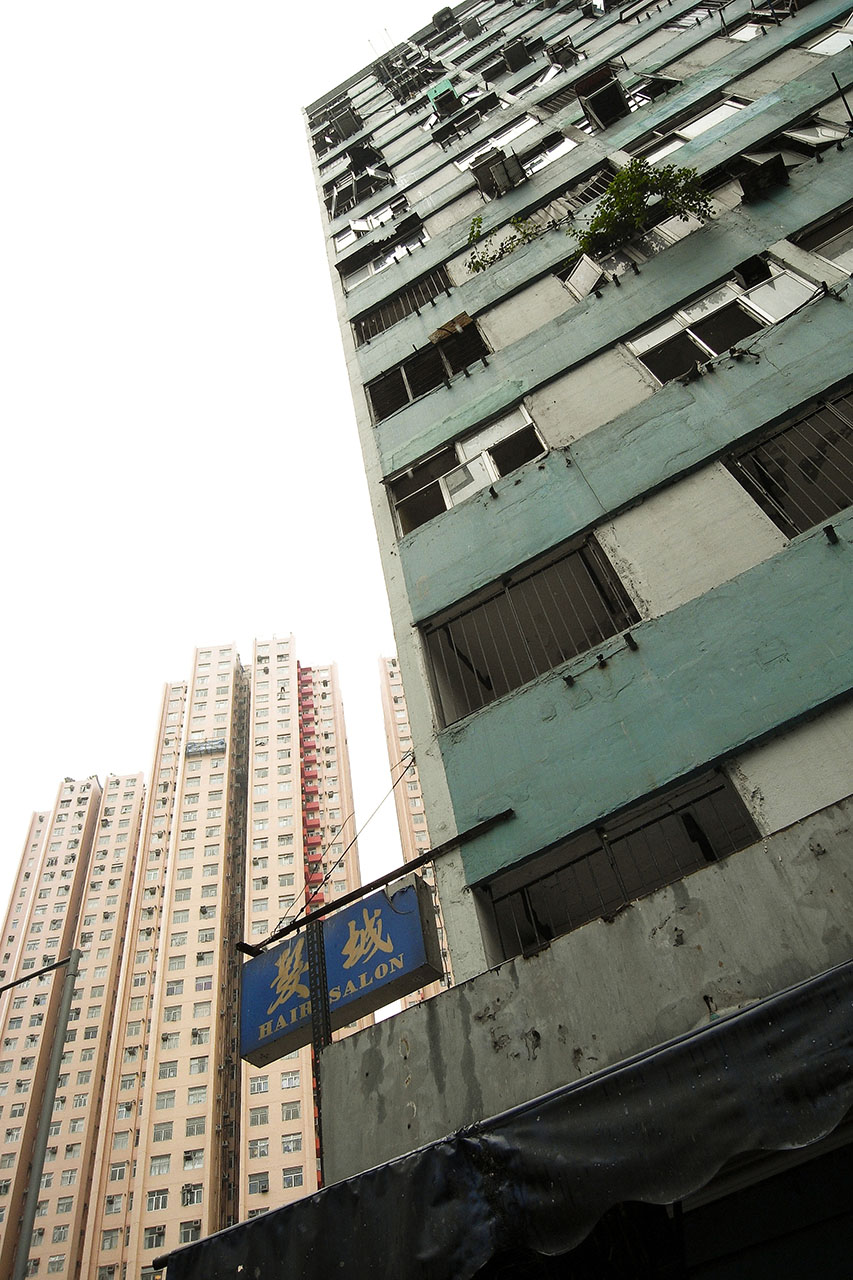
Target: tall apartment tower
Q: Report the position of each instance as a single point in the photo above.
(409, 800)
(612, 496)
(159, 1134)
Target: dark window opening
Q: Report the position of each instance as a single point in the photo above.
(456, 472)
(594, 875)
(452, 349)
(524, 626)
(802, 473)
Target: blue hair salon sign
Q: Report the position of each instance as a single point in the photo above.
(377, 950)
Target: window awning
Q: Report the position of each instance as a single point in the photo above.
(653, 1129)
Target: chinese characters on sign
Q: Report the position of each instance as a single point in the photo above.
(376, 951)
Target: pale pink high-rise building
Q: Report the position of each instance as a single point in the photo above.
(408, 800)
(159, 1133)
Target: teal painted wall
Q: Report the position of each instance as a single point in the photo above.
(676, 429)
(740, 662)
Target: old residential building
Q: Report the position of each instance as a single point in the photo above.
(612, 494)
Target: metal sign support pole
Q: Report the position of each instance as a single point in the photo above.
(321, 1028)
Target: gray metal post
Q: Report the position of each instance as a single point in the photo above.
(28, 1216)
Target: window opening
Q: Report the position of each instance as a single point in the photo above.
(802, 473)
(527, 624)
(719, 320)
(452, 349)
(594, 875)
(455, 472)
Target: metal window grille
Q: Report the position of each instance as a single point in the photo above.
(523, 627)
(404, 303)
(595, 875)
(802, 473)
(427, 369)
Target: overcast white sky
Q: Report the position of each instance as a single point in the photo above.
(173, 394)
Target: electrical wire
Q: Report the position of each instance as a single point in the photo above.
(407, 759)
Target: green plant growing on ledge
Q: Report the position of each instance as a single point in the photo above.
(623, 209)
(621, 213)
(484, 255)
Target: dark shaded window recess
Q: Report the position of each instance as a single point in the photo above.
(330, 127)
(452, 349)
(696, 16)
(408, 301)
(761, 20)
(516, 54)
(454, 473)
(365, 174)
(562, 605)
(802, 473)
(381, 254)
(758, 295)
(763, 168)
(406, 72)
(595, 875)
(660, 143)
(604, 98)
(395, 209)
(832, 238)
(453, 116)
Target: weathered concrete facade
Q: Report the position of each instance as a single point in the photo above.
(762, 920)
(726, 654)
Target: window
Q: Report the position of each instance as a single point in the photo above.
(290, 1142)
(163, 1131)
(402, 304)
(258, 1116)
(153, 1237)
(194, 1159)
(197, 1095)
(452, 349)
(290, 1079)
(366, 174)
(259, 1183)
(198, 1066)
(496, 142)
(291, 1110)
(291, 1176)
(64, 1204)
(56, 1262)
(258, 1147)
(661, 144)
(836, 40)
(189, 1231)
(529, 623)
(191, 1193)
(165, 1099)
(167, 1070)
(157, 1200)
(455, 472)
(195, 1126)
(832, 239)
(720, 320)
(595, 874)
(110, 1238)
(259, 1084)
(802, 473)
(159, 1165)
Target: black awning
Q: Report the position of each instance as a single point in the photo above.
(654, 1129)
